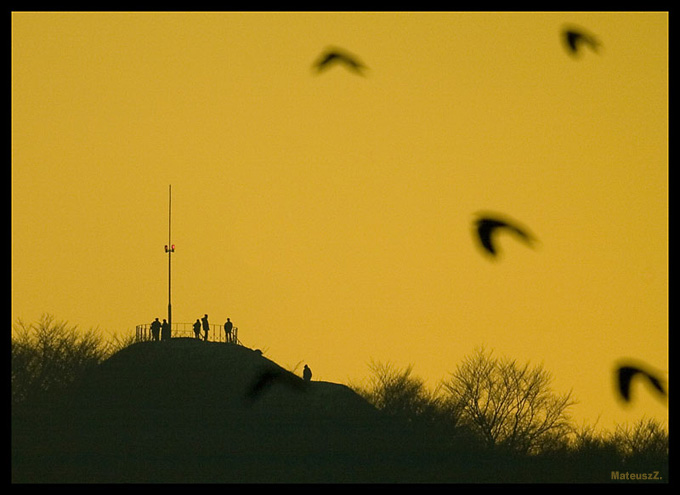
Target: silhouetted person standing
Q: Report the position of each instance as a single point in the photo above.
(307, 374)
(227, 330)
(206, 326)
(155, 329)
(165, 330)
(197, 328)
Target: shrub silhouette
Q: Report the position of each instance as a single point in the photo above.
(400, 394)
(643, 439)
(48, 356)
(510, 406)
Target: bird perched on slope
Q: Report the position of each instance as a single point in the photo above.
(574, 38)
(335, 55)
(487, 227)
(625, 375)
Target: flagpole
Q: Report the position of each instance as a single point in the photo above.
(169, 248)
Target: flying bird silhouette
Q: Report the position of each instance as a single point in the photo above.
(270, 377)
(625, 375)
(488, 226)
(333, 56)
(574, 38)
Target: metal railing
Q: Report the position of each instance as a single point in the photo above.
(215, 334)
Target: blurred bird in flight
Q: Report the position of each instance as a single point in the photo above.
(333, 56)
(575, 38)
(625, 375)
(269, 377)
(488, 226)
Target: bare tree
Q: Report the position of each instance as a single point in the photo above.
(49, 355)
(509, 405)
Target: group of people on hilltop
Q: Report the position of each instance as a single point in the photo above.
(202, 324)
(162, 331)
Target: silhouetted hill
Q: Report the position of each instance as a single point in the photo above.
(185, 410)
(188, 411)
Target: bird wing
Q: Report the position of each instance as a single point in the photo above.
(262, 381)
(485, 229)
(269, 377)
(626, 375)
(325, 59)
(656, 383)
(352, 62)
(334, 55)
(572, 38)
(520, 232)
(487, 226)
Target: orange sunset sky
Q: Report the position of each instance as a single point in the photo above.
(330, 215)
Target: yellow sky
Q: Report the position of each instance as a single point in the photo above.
(329, 216)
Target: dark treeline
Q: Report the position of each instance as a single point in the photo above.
(505, 410)
(493, 420)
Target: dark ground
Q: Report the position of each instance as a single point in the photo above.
(188, 411)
